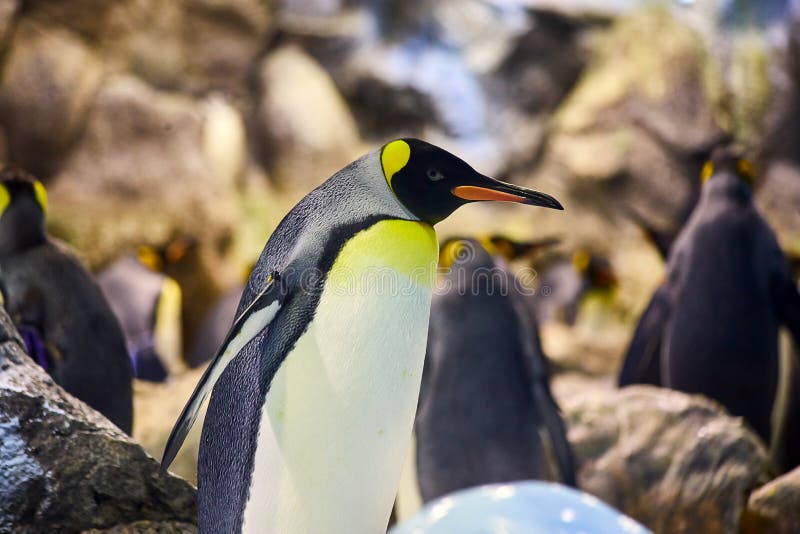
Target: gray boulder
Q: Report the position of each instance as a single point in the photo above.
(304, 129)
(48, 82)
(140, 169)
(64, 467)
(675, 462)
(148, 527)
(775, 507)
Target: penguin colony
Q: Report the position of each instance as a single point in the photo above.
(325, 372)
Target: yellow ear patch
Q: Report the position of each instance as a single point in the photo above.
(41, 195)
(149, 257)
(5, 199)
(450, 252)
(708, 170)
(580, 260)
(746, 171)
(394, 157)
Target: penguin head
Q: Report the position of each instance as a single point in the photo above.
(463, 253)
(511, 249)
(432, 183)
(23, 206)
(728, 164)
(160, 258)
(595, 269)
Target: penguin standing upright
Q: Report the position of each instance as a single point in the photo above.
(712, 327)
(60, 311)
(317, 382)
(148, 305)
(486, 413)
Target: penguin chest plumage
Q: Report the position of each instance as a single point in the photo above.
(337, 418)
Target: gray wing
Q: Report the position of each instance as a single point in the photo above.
(642, 359)
(544, 402)
(252, 321)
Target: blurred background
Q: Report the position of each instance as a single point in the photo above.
(201, 122)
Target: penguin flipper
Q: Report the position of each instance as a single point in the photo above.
(253, 320)
(556, 432)
(641, 364)
(543, 401)
(788, 304)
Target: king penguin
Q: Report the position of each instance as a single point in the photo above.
(147, 304)
(66, 322)
(712, 326)
(486, 413)
(317, 382)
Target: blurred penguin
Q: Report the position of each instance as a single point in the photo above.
(148, 306)
(192, 264)
(67, 325)
(712, 326)
(569, 282)
(486, 413)
(214, 327)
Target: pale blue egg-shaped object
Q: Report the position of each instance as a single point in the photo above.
(529, 507)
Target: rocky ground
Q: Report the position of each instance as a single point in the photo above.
(210, 118)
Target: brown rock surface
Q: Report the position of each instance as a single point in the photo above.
(304, 127)
(675, 462)
(139, 170)
(48, 82)
(775, 507)
(63, 467)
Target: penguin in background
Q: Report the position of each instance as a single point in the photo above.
(568, 281)
(486, 413)
(315, 387)
(148, 305)
(190, 262)
(214, 327)
(215, 324)
(67, 325)
(712, 327)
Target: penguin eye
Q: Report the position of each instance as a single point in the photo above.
(434, 175)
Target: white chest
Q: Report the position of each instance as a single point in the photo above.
(337, 420)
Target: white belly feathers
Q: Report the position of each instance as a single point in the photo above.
(337, 419)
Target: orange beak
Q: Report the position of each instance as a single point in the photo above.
(503, 192)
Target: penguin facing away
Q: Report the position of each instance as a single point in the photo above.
(66, 322)
(486, 413)
(712, 327)
(318, 379)
(148, 307)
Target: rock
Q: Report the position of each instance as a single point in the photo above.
(3, 148)
(63, 467)
(675, 462)
(88, 18)
(224, 139)
(222, 40)
(49, 81)
(778, 198)
(140, 170)
(775, 507)
(8, 12)
(144, 37)
(303, 127)
(193, 46)
(148, 527)
(475, 77)
(641, 117)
